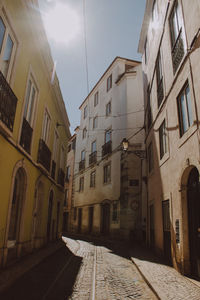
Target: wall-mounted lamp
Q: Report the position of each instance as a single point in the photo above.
(140, 153)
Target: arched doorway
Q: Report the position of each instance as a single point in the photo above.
(37, 215)
(49, 220)
(105, 217)
(193, 202)
(15, 224)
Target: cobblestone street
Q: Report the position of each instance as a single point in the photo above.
(106, 275)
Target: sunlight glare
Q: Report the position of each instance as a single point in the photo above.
(62, 23)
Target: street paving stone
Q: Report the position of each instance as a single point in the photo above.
(116, 278)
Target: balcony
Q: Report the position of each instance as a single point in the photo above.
(93, 157)
(107, 148)
(44, 155)
(82, 165)
(160, 92)
(61, 177)
(8, 104)
(26, 136)
(177, 52)
(53, 169)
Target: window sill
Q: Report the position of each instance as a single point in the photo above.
(187, 135)
(164, 159)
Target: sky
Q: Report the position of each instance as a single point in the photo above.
(112, 28)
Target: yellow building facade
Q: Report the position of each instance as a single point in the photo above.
(34, 131)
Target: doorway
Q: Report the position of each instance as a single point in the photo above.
(90, 221)
(166, 231)
(79, 219)
(193, 201)
(37, 214)
(49, 220)
(105, 218)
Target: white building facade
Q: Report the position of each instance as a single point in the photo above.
(169, 43)
(107, 182)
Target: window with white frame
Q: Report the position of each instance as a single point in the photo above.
(94, 147)
(159, 79)
(109, 82)
(108, 135)
(46, 126)
(82, 155)
(162, 139)
(30, 101)
(108, 108)
(95, 122)
(81, 184)
(96, 98)
(55, 146)
(7, 47)
(185, 109)
(92, 178)
(84, 133)
(107, 173)
(175, 22)
(85, 112)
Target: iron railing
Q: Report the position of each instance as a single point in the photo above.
(8, 103)
(82, 165)
(26, 136)
(44, 155)
(107, 148)
(177, 52)
(93, 157)
(53, 169)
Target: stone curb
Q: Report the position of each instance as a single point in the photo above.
(145, 279)
(9, 275)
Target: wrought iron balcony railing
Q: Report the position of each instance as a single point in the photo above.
(26, 136)
(44, 155)
(107, 148)
(53, 169)
(177, 52)
(61, 177)
(8, 103)
(82, 165)
(160, 92)
(93, 157)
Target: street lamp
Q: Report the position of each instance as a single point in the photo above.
(125, 145)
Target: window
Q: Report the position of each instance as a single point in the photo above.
(115, 212)
(109, 82)
(68, 171)
(92, 178)
(107, 173)
(150, 157)
(108, 135)
(146, 51)
(30, 102)
(84, 133)
(94, 147)
(46, 127)
(185, 110)
(62, 157)
(85, 112)
(162, 139)
(95, 122)
(133, 182)
(96, 98)
(82, 155)
(75, 213)
(66, 197)
(7, 48)
(159, 79)
(81, 184)
(55, 146)
(176, 36)
(154, 11)
(149, 114)
(108, 108)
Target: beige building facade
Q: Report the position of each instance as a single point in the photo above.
(169, 43)
(107, 181)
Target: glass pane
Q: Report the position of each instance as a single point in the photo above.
(94, 147)
(108, 136)
(82, 155)
(31, 106)
(27, 99)
(184, 113)
(7, 56)
(2, 32)
(189, 106)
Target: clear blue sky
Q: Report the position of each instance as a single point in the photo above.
(112, 29)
